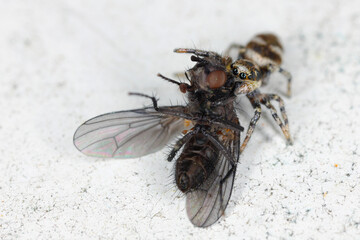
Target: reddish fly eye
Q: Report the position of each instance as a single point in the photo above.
(216, 79)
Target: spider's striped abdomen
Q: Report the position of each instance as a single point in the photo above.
(264, 49)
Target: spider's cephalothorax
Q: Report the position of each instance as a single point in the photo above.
(248, 74)
(264, 51)
(257, 60)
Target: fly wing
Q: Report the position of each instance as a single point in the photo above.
(207, 204)
(128, 134)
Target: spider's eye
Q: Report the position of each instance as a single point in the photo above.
(243, 75)
(235, 71)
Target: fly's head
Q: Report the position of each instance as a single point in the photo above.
(209, 78)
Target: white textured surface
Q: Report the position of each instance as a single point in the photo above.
(62, 62)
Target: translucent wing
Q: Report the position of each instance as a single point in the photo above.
(127, 134)
(206, 205)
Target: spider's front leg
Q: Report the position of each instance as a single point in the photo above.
(265, 99)
(257, 113)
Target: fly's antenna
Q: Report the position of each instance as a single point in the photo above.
(183, 75)
(168, 79)
(183, 86)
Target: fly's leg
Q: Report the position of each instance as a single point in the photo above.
(232, 169)
(265, 99)
(219, 122)
(197, 52)
(213, 139)
(228, 174)
(162, 110)
(227, 155)
(153, 99)
(257, 113)
(220, 147)
(178, 145)
(275, 68)
(224, 123)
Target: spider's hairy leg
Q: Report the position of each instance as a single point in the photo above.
(257, 113)
(288, 76)
(265, 99)
(241, 49)
(282, 108)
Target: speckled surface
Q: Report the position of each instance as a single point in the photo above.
(62, 62)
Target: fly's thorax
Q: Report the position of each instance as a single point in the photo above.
(195, 164)
(264, 49)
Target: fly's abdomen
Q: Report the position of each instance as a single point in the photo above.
(195, 164)
(264, 49)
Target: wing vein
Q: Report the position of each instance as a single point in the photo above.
(113, 125)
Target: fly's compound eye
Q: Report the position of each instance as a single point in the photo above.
(216, 79)
(243, 75)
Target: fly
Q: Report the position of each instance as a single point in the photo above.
(207, 129)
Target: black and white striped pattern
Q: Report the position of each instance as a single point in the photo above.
(264, 49)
